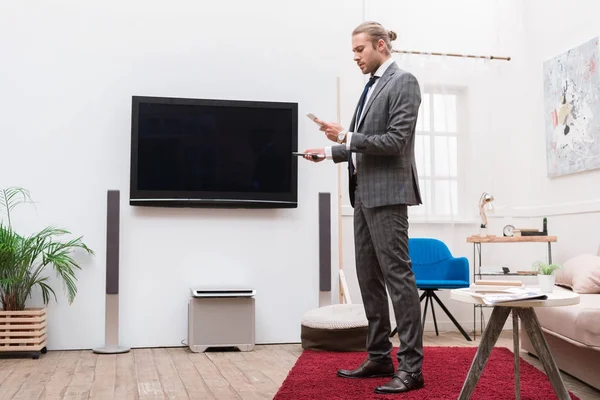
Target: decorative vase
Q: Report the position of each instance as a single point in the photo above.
(482, 232)
(546, 283)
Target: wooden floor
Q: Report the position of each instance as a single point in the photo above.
(177, 373)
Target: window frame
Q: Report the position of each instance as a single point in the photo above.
(462, 140)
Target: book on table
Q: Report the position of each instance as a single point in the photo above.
(494, 286)
(498, 282)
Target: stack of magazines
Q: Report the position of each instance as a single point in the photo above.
(512, 294)
(504, 292)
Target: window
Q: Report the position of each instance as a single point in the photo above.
(436, 153)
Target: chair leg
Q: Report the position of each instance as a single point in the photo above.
(460, 328)
(428, 298)
(434, 320)
(427, 294)
(429, 302)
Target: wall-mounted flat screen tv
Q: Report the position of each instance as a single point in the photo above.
(213, 153)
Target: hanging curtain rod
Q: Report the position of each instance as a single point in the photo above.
(451, 55)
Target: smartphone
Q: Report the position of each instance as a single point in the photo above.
(313, 118)
(314, 156)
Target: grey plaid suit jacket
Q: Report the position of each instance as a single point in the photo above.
(384, 141)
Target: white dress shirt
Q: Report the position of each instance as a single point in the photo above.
(382, 68)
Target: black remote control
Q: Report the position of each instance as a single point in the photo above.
(314, 156)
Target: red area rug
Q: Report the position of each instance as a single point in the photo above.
(444, 368)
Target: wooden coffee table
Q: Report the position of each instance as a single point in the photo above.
(525, 311)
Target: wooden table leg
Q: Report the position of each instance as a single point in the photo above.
(534, 331)
(488, 340)
(516, 350)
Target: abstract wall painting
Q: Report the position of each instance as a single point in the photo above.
(572, 110)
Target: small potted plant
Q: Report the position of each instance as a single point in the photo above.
(23, 262)
(546, 278)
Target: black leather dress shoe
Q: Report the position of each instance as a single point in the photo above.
(368, 369)
(401, 382)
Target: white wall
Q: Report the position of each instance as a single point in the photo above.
(68, 72)
(571, 202)
(524, 193)
(546, 40)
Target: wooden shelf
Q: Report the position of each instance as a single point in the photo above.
(514, 239)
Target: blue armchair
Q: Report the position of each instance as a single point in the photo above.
(435, 268)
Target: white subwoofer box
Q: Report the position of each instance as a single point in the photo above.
(221, 318)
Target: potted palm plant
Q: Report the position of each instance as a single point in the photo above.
(23, 263)
(546, 278)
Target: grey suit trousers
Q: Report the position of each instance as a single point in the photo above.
(382, 260)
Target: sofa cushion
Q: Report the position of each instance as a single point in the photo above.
(580, 273)
(578, 322)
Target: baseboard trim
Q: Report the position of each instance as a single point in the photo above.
(448, 326)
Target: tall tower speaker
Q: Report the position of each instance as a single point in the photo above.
(111, 338)
(324, 242)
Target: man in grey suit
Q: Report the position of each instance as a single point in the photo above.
(383, 178)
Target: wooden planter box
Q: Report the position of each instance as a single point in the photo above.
(23, 331)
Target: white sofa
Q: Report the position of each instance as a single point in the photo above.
(573, 332)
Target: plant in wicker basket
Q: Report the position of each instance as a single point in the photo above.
(23, 261)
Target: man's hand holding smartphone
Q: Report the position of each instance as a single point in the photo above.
(315, 155)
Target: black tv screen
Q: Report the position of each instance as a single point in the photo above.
(213, 153)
